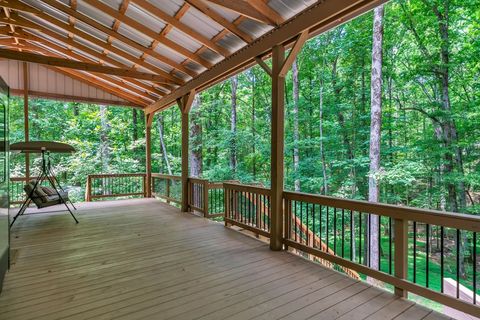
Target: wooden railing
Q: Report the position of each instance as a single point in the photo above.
(248, 207)
(206, 197)
(348, 228)
(167, 187)
(115, 185)
(17, 194)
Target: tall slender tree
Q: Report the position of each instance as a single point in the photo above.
(296, 155)
(375, 132)
(196, 139)
(233, 126)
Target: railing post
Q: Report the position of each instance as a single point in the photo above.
(226, 205)
(88, 193)
(167, 189)
(205, 198)
(401, 253)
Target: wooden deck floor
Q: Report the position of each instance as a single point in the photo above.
(141, 259)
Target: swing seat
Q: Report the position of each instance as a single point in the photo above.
(44, 197)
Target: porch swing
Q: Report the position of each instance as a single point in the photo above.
(43, 196)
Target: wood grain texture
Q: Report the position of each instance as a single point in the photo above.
(143, 259)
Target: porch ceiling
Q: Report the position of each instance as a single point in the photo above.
(156, 50)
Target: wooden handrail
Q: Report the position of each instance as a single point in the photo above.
(435, 217)
(89, 185)
(166, 176)
(247, 188)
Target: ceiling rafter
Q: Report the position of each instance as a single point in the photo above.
(115, 35)
(244, 8)
(262, 7)
(34, 49)
(117, 82)
(24, 34)
(206, 9)
(168, 28)
(89, 67)
(149, 32)
(91, 80)
(221, 34)
(71, 54)
(23, 22)
(157, 12)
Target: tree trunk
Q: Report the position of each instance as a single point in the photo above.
(322, 152)
(135, 124)
(196, 139)
(233, 126)
(296, 157)
(254, 138)
(104, 145)
(375, 132)
(162, 144)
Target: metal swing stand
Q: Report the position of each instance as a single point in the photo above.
(47, 173)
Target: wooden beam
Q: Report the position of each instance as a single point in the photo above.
(22, 22)
(148, 7)
(91, 80)
(71, 98)
(277, 148)
(188, 101)
(302, 37)
(243, 8)
(22, 34)
(148, 154)
(262, 7)
(115, 35)
(264, 66)
(79, 65)
(26, 86)
(148, 32)
(320, 17)
(185, 150)
(206, 9)
(120, 83)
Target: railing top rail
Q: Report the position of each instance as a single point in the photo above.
(247, 188)
(197, 180)
(113, 175)
(434, 217)
(166, 176)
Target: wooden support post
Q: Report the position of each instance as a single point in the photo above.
(185, 103)
(25, 118)
(401, 253)
(280, 66)
(185, 137)
(277, 145)
(148, 155)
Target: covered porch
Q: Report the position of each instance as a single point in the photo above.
(191, 248)
(143, 259)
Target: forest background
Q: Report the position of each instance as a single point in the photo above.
(430, 117)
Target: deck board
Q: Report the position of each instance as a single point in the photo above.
(142, 259)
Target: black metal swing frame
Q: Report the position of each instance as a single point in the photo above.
(46, 174)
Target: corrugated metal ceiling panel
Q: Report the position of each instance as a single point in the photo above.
(95, 14)
(144, 18)
(170, 7)
(289, 8)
